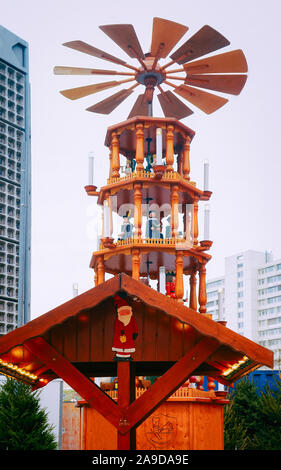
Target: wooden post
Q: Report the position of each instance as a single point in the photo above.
(170, 148)
(180, 161)
(110, 161)
(100, 270)
(202, 295)
(126, 395)
(195, 222)
(139, 146)
(115, 155)
(211, 384)
(136, 264)
(186, 160)
(96, 276)
(193, 296)
(174, 210)
(179, 276)
(137, 210)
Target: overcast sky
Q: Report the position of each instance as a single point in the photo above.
(241, 140)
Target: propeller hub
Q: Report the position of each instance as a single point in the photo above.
(144, 75)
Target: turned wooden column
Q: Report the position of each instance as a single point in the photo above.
(193, 295)
(186, 160)
(170, 148)
(100, 270)
(202, 294)
(110, 161)
(195, 222)
(96, 276)
(180, 161)
(115, 158)
(174, 210)
(179, 276)
(137, 210)
(139, 146)
(136, 264)
(211, 384)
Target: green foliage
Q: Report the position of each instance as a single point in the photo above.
(23, 424)
(253, 421)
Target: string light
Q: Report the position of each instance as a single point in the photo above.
(235, 366)
(17, 370)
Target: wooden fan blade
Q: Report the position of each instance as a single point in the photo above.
(229, 62)
(203, 42)
(61, 70)
(80, 92)
(232, 84)
(166, 33)
(205, 101)
(125, 36)
(109, 104)
(140, 108)
(172, 106)
(87, 49)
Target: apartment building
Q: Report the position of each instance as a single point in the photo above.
(248, 298)
(15, 182)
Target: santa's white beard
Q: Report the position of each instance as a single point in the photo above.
(125, 319)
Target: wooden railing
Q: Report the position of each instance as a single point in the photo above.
(151, 241)
(183, 392)
(167, 175)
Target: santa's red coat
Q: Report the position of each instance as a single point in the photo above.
(121, 330)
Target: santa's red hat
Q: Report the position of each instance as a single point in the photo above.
(119, 302)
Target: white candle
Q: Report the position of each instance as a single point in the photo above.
(106, 219)
(207, 222)
(162, 279)
(158, 146)
(75, 289)
(98, 242)
(91, 168)
(206, 175)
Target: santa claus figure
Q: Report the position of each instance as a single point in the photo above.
(125, 330)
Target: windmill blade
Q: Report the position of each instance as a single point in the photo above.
(203, 42)
(80, 92)
(172, 106)
(62, 70)
(165, 35)
(229, 62)
(140, 108)
(109, 104)
(205, 101)
(93, 51)
(125, 36)
(231, 84)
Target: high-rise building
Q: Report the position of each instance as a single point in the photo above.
(15, 182)
(248, 298)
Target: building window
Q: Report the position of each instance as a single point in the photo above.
(240, 265)
(240, 325)
(240, 274)
(240, 284)
(240, 304)
(240, 294)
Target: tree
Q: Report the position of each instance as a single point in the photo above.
(252, 421)
(23, 424)
(269, 434)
